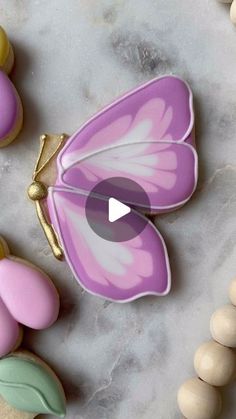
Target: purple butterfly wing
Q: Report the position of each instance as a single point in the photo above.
(140, 137)
(118, 271)
(166, 171)
(166, 104)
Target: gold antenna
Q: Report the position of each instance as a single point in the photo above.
(43, 177)
(4, 250)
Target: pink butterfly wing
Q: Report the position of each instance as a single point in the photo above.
(28, 294)
(161, 110)
(120, 271)
(9, 330)
(166, 171)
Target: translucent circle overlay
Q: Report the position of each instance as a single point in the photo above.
(127, 192)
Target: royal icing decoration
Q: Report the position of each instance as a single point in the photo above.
(27, 297)
(10, 103)
(29, 385)
(146, 136)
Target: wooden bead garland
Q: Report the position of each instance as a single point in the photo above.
(215, 364)
(232, 9)
(223, 325)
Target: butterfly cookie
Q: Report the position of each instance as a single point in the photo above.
(27, 297)
(146, 136)
(11, 111)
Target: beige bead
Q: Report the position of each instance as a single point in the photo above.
(233, 12)
(232, 292)
(199, 400)
(215, 364)
(223, 325)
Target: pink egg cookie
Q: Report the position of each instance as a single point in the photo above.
(10, 104)
(140, 152)
(27, 297)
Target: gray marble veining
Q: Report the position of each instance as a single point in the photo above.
(72, 57)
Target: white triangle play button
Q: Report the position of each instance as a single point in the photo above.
(117, 210)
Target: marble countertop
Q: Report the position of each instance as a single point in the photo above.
(72, 57)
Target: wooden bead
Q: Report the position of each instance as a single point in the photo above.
(199, 400)
(232, 292)
(223, 325)
(215, 364)
(233, 12)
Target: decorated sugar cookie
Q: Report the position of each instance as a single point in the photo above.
(27, 297)
(11, 113)
(146, 139)
(28, 387)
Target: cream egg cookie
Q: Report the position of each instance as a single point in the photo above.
(11, 111)
(28, 387)
(27, 297)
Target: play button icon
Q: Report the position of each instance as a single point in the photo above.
(115, 209)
